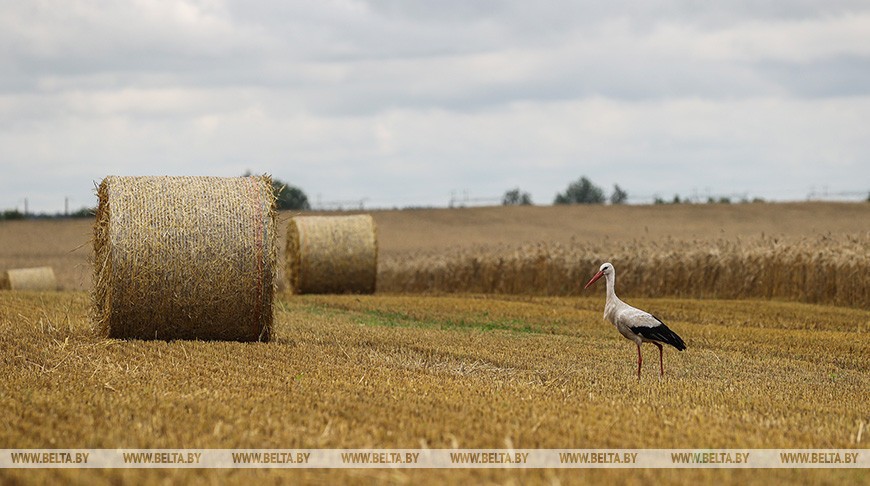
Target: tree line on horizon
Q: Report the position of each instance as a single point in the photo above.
(581, 191)
(290, 197)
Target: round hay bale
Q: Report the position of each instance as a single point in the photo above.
(332, 254)
(37, 278)
(185, 258)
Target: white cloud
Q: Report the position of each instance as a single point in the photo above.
(798, 41)
(402, 102)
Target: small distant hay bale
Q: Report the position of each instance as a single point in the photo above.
(185, 258)
(332, 254)
(37, 278)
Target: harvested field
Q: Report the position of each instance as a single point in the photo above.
(470, 371)
(408, 237)
(412, 240)
(64, 245)
(514, 368)
(406, 232)
(809, 252)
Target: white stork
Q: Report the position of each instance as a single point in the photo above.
(635, 324)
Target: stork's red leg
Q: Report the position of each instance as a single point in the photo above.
(661, 363)
(639, 361)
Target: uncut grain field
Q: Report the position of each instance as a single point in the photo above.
(437, 367)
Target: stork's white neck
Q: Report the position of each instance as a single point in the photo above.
(612, 301)
(611, 284)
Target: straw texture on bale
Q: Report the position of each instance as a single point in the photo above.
(38, 278)
(332, 254)
(185, 258)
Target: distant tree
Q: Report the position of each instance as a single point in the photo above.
(515, 197)
(84, 212)
(287, 196)
(658, 200)
(11, 214)
(618, 196)
(724, 200)
(676, 199)
(582, 191)
(290, 197)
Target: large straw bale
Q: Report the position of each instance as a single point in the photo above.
(37, 278)
(332, 254)
(185, 258)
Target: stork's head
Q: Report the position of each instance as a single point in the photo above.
(604, 270)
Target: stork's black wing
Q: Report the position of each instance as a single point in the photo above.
(660, 333)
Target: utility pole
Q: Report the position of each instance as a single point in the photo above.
(66, 206)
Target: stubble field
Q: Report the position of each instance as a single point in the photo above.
(442, 370)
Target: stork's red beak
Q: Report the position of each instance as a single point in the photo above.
(596, 277)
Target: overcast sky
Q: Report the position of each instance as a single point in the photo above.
(403, 102)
